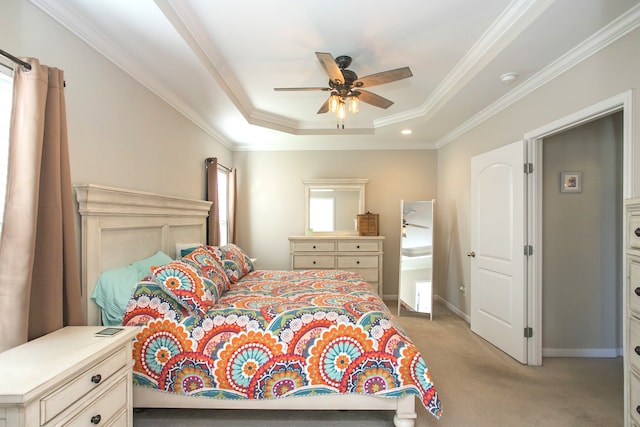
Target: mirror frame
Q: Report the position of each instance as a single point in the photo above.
(336, 184)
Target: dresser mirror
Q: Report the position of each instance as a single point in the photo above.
(332, 205)
(415, 293)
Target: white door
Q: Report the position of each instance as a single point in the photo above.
(498, 275)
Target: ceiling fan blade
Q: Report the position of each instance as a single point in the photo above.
(373, 99)
(426, 227)
(330, 67)
(324, 108)
(301, 88)
(383, 77)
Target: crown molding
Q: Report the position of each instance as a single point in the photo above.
(511, 22)
(73, 22)
(618, 28)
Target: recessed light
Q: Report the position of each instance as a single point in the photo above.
(406, 131)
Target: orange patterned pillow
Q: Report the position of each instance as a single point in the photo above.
(235, 262)
(187, 285)
(212, 269)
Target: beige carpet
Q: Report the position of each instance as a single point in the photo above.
(478, 385)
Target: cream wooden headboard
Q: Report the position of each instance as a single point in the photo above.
(122, 226)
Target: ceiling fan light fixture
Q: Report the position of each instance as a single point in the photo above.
(353, 103)
(342, 110)
(334, 102)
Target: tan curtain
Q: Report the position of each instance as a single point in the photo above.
(213, 238)
(233, 195)
(39, 274)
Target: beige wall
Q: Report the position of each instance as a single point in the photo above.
(271, 196)
(608, 73)
(120, 134)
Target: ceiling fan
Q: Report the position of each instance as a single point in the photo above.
(346, 86)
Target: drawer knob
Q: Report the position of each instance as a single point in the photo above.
(96, 378)
(314, 263)
(637, 350)
(96, 419)
(314, 246)
(637, 291)
(358, 247)
(357, 262)
(637, 232)
(638, 409)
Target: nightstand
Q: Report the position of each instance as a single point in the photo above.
(70, 377)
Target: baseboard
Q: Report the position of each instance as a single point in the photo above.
(582, 352)
(453, 308)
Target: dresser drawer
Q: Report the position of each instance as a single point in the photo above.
(106, 409)
(633, 237)
(634, 287)
(349, 262)
(634, 343)
(634, 397)
(313, 262)
(369, 275)
(316, 246)
(358, 247)
(56, 402)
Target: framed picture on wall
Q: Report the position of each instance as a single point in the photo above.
(570, 182)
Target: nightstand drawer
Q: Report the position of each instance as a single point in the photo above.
(56, 402)
(358, 247)
(347, 262)
(107, 408)
(313, 262)
(314, 246)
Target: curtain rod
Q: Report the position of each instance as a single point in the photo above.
(16, 60)
(210, 159)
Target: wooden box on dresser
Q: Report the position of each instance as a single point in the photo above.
(632, 314)
(70, 377)
(360, 254)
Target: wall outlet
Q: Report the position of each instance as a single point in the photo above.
(463, 289)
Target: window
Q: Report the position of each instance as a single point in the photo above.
(322, 213)
(6, 98)
(223, 205)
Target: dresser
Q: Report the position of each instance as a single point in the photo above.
(632, 314)
(360, 254)
(70, 377)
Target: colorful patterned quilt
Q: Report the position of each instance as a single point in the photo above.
(276, 334)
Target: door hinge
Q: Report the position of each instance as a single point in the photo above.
(528, 250)
(528, 332)
(528, 168)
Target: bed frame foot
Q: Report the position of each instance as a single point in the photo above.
(404, 422)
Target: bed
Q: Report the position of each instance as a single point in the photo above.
(240, 338)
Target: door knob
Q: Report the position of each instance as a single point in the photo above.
(471, 254)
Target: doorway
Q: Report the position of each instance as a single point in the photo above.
(582, 240)
(628, 183)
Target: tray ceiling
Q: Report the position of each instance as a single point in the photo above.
(217, 62)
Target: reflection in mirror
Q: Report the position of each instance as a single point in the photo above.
(332, 205)
(415, 293)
